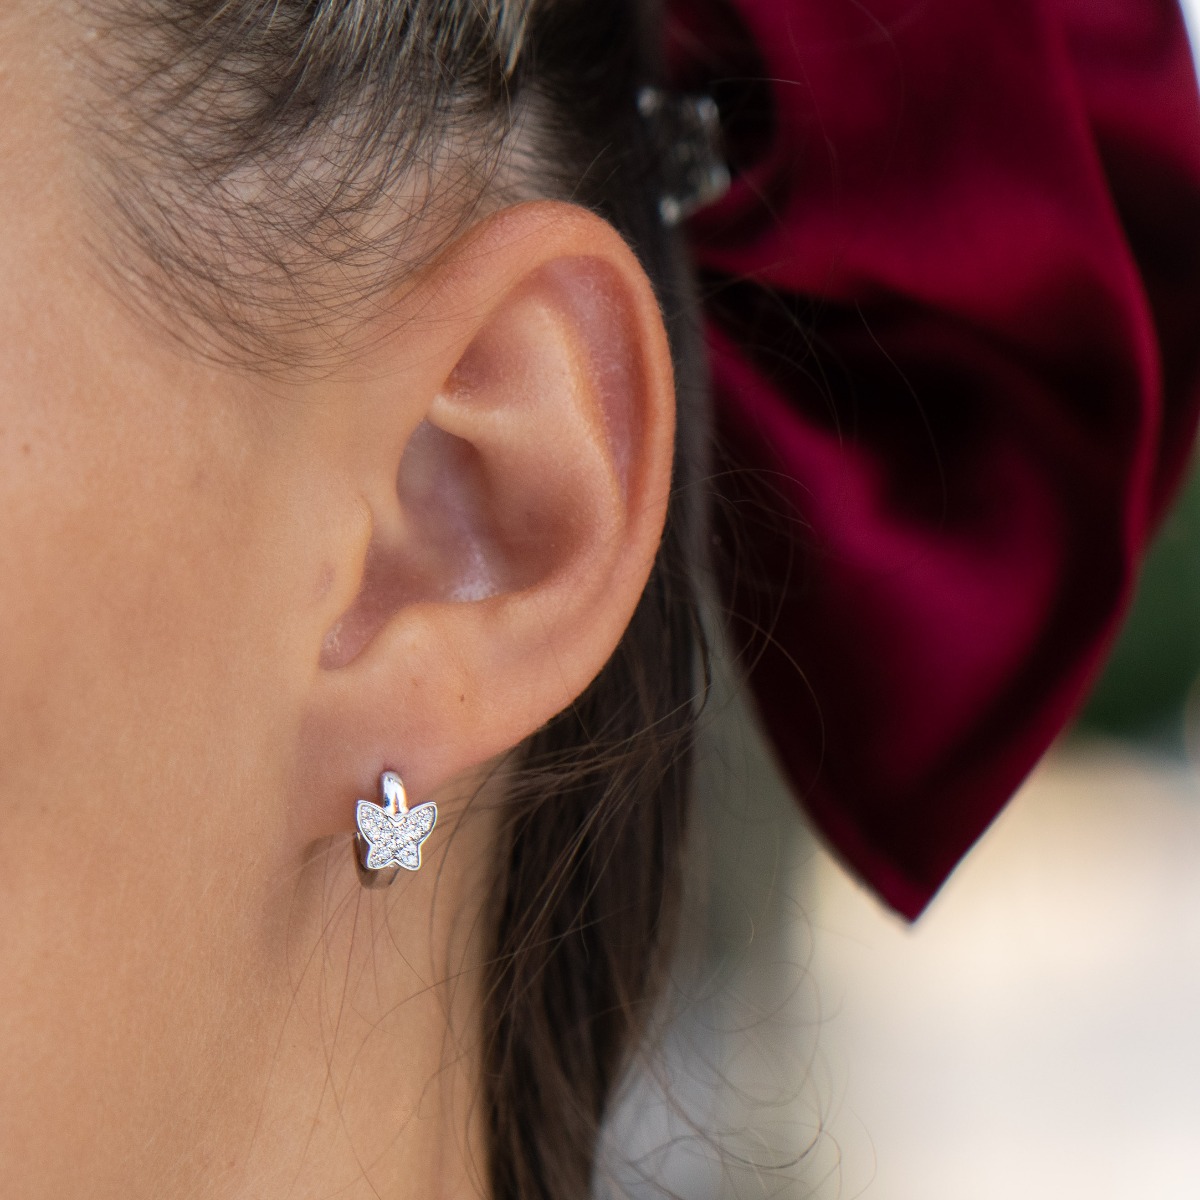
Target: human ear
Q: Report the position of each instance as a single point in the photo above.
(512, 459)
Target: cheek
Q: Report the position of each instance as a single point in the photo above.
(143, 711)
(139, 708)
(127, 532)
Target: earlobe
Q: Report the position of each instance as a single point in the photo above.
(515, 529)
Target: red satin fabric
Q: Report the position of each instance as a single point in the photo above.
(954, 319)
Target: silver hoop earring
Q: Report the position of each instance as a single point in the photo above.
(390, 834)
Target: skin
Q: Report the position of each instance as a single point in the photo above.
(227, 602)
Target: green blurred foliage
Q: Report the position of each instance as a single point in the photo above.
(1143, 690)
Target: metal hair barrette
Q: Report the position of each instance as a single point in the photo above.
(390, 834)
(686, 132)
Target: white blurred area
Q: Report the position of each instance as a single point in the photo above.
(1191, 13)
(1036, 1035)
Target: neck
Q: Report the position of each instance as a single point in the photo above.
(362, 1048)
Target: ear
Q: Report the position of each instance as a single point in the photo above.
(512, 457)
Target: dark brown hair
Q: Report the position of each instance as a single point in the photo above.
(275, 164)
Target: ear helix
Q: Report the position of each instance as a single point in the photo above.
(389, 834)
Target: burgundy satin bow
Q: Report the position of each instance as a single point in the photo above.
(954, 322)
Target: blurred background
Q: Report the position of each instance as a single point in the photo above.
(1036, 1034)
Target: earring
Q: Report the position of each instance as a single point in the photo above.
(390, 834)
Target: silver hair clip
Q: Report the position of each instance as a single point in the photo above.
(686, 132)
(390, 834)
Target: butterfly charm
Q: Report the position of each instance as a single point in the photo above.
(390, 834)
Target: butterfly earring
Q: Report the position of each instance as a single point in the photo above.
(390, 834)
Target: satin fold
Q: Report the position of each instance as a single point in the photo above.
(953, 312)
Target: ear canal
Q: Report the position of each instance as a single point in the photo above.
(444, 552)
